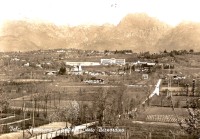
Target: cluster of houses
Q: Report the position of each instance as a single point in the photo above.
(143, 66)
(76, 67)
(111, 61)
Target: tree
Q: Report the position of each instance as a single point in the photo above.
(191, 125)
(4, 104)
(101, 104)
(191, 50)
(84, 113)
(46, 97)
(68, 113)
(132, 104)
(62, 71)
(165, 51)
(106, 51)
(109, 103)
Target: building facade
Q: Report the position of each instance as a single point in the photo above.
(113, 61)
(82, 63)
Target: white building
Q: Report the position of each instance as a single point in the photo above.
(51, 72)
(27, 65)
(113, 61)
(83, 63)
(60, 51)
(139, 63)
(144, 63)
(76, 70)
(94, 81)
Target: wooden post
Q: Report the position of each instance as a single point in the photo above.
(149, 135)
(24, 121)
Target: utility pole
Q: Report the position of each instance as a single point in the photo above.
(193, 87)
(59, 98)
(169, 93)
(54, 99)
(24, 120)
(33, 107)
(187, 89)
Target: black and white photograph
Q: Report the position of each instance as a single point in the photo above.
(99, 69)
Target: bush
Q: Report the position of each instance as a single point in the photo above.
(62, 71)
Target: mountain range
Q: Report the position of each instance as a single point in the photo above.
(137, 32)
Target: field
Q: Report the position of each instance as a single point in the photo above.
(116, 102)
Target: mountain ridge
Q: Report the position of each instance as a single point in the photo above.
(137, 32)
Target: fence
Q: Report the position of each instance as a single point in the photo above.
(63, 131)
(164, 118)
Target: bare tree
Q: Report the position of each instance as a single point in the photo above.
(108, 106)
(4, 102)
(68, 113)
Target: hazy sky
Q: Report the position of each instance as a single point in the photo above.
(75, 12)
